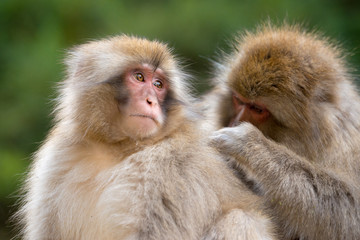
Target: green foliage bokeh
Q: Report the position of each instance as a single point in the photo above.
(34, 36)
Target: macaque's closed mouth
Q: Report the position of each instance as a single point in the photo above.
(142, 115)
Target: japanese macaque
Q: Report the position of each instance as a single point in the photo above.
(291, 118)
(126, 160)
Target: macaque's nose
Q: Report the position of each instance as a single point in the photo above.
(151, 99)
(150, 96)
(243, 115)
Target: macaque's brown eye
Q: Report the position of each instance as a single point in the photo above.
(158, 84)
(257, 109)
(139, 77)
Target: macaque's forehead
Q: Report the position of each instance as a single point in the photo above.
(144, 51)
(255, 73)
(147, 67)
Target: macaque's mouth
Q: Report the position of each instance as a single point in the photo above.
(144, 116)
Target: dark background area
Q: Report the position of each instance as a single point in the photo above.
(34, 36)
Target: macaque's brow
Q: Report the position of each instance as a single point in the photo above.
(154, 68)
(154, 65)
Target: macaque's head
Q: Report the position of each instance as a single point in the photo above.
(123, 87)
(280, 78)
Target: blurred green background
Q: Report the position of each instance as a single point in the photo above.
(34, 35)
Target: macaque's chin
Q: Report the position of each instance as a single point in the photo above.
(139, 127)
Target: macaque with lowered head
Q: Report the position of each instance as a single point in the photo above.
(292, 129)
(126, 160)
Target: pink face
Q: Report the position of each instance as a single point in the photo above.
(249, 111)
(147, 89)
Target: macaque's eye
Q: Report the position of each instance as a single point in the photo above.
(256, 109)
(139, 77)
(158, 84)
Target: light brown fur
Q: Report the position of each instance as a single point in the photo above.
(89, 180)
(305, 160)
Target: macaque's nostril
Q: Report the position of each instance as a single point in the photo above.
(148, 101)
